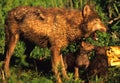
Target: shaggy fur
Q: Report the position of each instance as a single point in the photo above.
(98, 65)
(74, 63)
(53, 28)
(78, 59)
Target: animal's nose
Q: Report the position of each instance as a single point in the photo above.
(104, 29)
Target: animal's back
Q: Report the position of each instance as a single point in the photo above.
(36, 23)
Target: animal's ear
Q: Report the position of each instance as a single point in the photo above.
(83, 44)
(86, 10)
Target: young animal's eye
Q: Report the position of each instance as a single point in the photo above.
(97, 20)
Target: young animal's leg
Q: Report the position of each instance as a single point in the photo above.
(11, 40)
(76, 69)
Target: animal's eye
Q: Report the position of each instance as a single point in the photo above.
(97, 20)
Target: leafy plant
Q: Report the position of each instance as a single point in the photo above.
(103, 39)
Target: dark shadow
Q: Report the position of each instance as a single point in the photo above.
(2, 57)
(43, 65)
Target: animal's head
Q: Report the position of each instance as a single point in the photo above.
(101, 50)
(82, 60)
(91, 22)
(87, 46)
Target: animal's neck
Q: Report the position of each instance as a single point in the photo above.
(75, 30)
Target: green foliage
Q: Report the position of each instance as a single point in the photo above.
(2, 40)
(21, 76)
(71, 48)
(40, 52)
(97, 80)
(103, 39)
(19, 50)
(114, 76)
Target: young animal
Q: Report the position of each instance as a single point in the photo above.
(98, 65)
(83, 58)
(78, 59)
(74, 62)
(104, 57)
(54, 28)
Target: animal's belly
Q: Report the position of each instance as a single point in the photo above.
(41, 41)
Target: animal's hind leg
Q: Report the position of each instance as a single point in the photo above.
(11, 40)
(64, 73)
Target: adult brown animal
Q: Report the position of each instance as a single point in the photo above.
(48, 27)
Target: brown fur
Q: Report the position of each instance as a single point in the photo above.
(78, 59)
(53, 28)
(74, 62)
(83, 57)
(98, 65)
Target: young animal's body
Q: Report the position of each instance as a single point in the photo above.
(78, 59)
(98, 65)
(73, 62)
(53, 28)
(82, 58)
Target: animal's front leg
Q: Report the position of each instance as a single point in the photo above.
(55, 58)
(9, 49)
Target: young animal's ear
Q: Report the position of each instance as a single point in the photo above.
(83, 44)
(86, 11)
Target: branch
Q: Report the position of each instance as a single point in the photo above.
(111, 21)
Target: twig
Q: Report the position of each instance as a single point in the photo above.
(111, 21)
(3, 76)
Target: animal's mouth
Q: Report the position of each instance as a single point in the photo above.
(94, 35)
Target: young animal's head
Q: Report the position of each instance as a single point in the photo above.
(82, 60)
(91, 22)
(87, 46)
